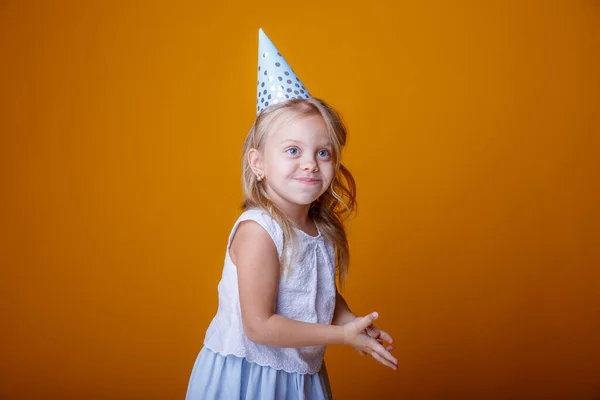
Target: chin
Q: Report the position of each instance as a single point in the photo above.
(304, 201)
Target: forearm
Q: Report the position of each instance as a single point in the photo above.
(280, 331)
(342, 314)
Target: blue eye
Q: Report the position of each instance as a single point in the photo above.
(294, 150)
(324, 153)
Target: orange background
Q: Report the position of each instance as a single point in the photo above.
(474, 140)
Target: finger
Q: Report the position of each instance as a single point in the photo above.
(384, 361)
(377, 333)
(385, 336)
(373, 331)
(383, 352)
(389, 348)
(362, 353)
(367, 320)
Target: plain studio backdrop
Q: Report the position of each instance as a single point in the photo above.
(474, 140)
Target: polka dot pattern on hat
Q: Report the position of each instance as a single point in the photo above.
(277, 81)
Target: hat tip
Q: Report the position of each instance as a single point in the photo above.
(262, 36)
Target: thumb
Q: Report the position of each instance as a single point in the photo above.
(368, 320)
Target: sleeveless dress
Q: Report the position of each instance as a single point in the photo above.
(231, 366)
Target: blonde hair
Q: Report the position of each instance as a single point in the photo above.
(333, 207)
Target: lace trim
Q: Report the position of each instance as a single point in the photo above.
(263, 363)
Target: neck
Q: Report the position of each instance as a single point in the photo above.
(298, 214)
(295, 212)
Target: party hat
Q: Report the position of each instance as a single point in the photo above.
(277, 81)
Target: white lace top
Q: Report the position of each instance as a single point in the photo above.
(306, 293)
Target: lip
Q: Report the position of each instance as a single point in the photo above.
(308, 181)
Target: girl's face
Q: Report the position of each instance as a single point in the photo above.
(297, 161)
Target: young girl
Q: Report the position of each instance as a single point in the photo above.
(278, 302)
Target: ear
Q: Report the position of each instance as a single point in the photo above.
(255, 160)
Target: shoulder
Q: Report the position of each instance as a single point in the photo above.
(251, 230)
(254, 236)
(262, 217)
(266, 221)
(251, 238)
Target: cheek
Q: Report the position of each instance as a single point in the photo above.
(327, 171)
(282, 167)
(272, 162)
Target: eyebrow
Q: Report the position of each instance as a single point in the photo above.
(296, 141)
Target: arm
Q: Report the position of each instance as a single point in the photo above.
(342, 314)
(255, 256)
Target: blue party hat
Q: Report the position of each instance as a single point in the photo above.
(277, 81)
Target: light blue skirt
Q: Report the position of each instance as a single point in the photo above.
(216, 376)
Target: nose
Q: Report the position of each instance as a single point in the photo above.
(309, 164)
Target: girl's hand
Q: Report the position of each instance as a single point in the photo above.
(378, 335)
(364, 337)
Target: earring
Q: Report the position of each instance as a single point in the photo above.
(259, 177)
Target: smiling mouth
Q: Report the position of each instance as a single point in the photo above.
(308, 180)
